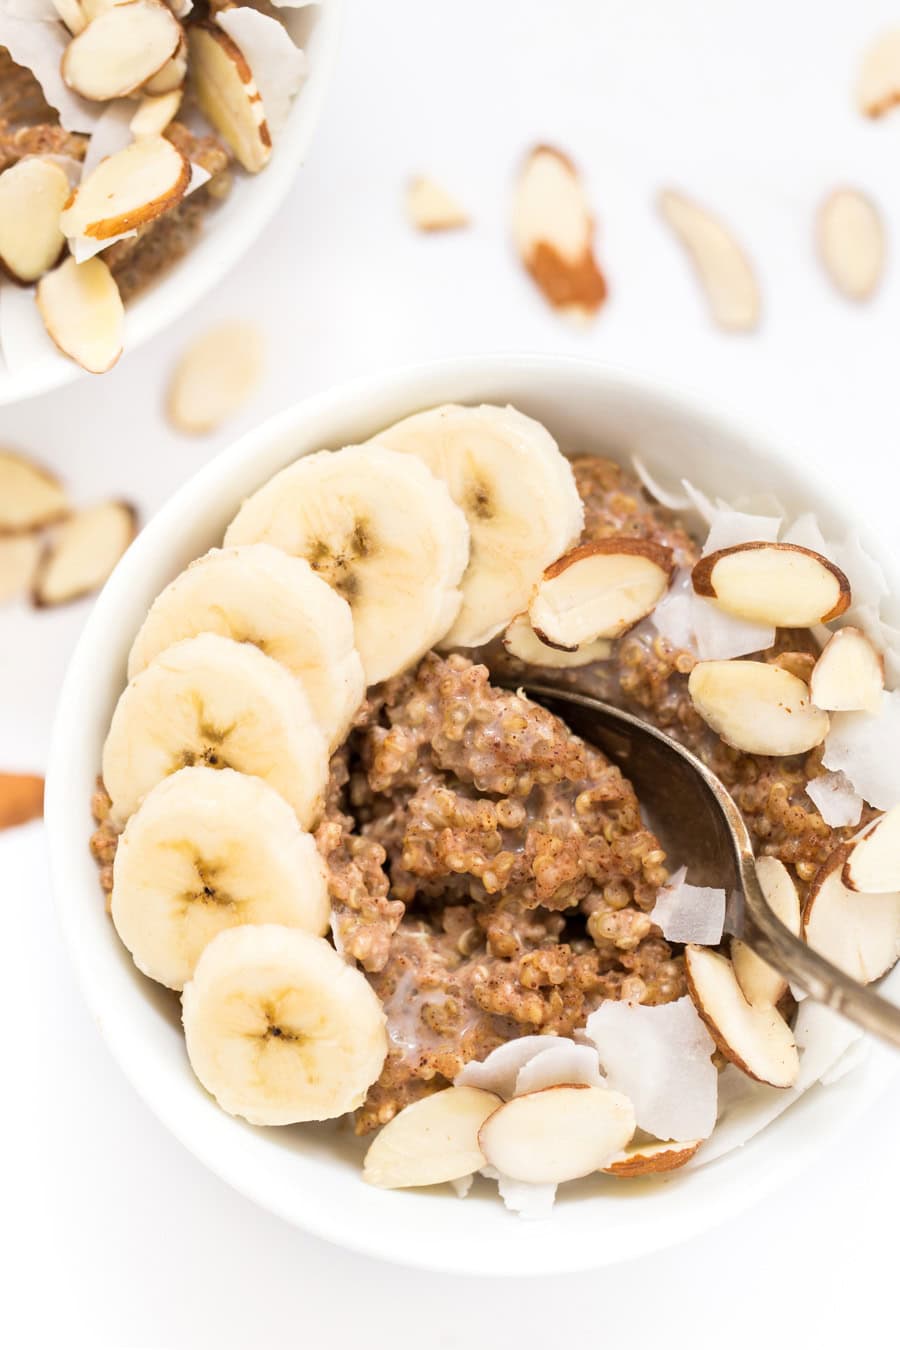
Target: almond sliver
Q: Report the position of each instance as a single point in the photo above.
(851, 243)
(779, 584)
(83, 313)
(757, 1040)
(873, 863)
(33, 193)
(599, 590)
(216, 374)
(849, 674)
(721, 264)
(154, 113)
(642, 1160)
(226, 91)
(121, 49)
(21, 799)
(522, 642)
(128, 189)
(553, 229)
(19, 555)
(84, 551)
(858, 933)
(30, 497)
(878, 87)
(432, 1141)
(431, 208)
(756, 707)
(761, 985)
(557, 1133)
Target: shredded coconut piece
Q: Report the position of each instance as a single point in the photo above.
(499, 1071)
(866, 747)
(524, 1198)
(805, 533)
(562, 1062)
(729, 527)
(687, 913)
(675, 501)
(462, 1185)
(833, 796)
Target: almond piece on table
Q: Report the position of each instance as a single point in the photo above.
(33, 193)
(762, 985)
(83, 552)
(120, 49)
(557, 1133)
(849, 674)
(226, 91)
(21, 799)
(127, 189)
(553, 230)
(757, 1040)
(172, 75)
(721, 264)
(781, 584)
(644, 1160)
(214, 376)
(599, 590)
(83, 313)
(851, 242)
(521, 641)
(873, 863)
(432, 1141)
(878, 86)
(858, 933)
(154, 113)
(756, 707)
(430, 207)
(19, 555)
(30, 497)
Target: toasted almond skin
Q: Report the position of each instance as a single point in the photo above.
(644, 548)
(21, 799)
(567, 282)
(38, 598)
(722, 1044)
(635, 1163)
(52, 514)
(702, 574)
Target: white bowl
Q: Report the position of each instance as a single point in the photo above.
(231, 228)
(310, 1175)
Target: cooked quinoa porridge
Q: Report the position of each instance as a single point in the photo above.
(325, 801)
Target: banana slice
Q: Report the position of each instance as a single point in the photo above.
(518, 492)
(380, 529)
(279, 1029)
(207, 850)
(210, 700)
(260, 595)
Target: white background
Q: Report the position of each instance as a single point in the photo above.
(117, 1237)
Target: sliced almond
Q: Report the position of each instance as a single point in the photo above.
(849, 674)
(128, 189)
(121, 49)
(858, 933)
(722, 266)
(780, 584)
(873, 863)
(553, 230)
(878, 87)
(761, 985)
(30, 496)
(224, 87)
(599, 590)
(84, 551)
(430, 207)
(521, 641)
(72, 14)
(851, 241)
(19, 555)
(21, 799)
(154, 113)
(756, 707)
(757, 1040)
(216, 374)
(644, 1160)
(33, 193)
(172, 75)
(83, 313)
(279, 66)
(432, 1141)
(557, 1133)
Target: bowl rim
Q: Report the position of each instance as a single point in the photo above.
(179, 290)
(212, 1145)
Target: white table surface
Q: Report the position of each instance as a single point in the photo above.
(116, 1237)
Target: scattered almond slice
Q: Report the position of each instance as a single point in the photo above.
(849, 674)
(430, 207)
(218, 372)
(878, 87)
(557, 1134)
(643, 1160)
(866, 747)
(721, 264)
(128, 189)
(432, 1141)
(761, 985)
(833, 796)
(851, 242)
(21, 799)
(84, 551)
(599, 590)
(154, 113)
(553, 230)
(30, 497)
(499, 1071)
(521, 641)
(172, 75)
(858, 933)
(873, 864)
(686, 913)
(40, 47)
(700, 626)
(779, 584)
(224, 87)
(562, 1062)
(33, 193)
(121, 49)
(757, 707)
(19, 555)
(72, 14)
(83, 313)
(757, 1040)
(278, 65)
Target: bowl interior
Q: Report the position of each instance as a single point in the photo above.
(230, 228)
(310, 1175)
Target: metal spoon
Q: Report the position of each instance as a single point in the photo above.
(697, 821)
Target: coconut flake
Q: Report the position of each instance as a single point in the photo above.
(278, 66)
(700, 502)
(866, 747)
(39, 47)
(562, 1062)
(805, 533)
(675, 501)
(522, 1197)
(729, 527)
(500, 1069)
(722, 637)
(462, 1185)
(833, 796)
(866, 576)
(687, 913)
(659, 1057)
(24, 341)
